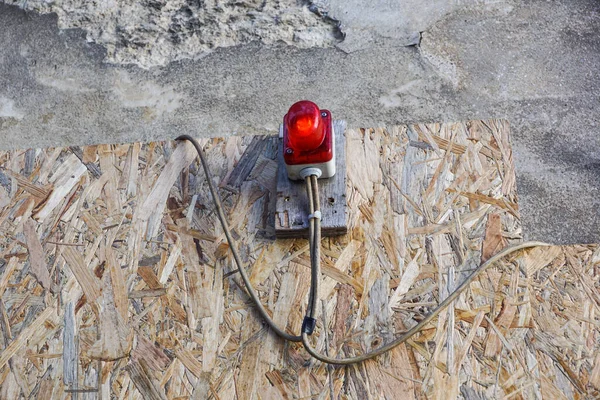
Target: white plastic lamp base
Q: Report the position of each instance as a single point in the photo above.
(299, 172)
(327, 168)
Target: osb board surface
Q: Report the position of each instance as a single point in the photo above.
(115, 278)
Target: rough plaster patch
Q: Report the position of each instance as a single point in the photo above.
(64, 85)
(146, 94)
(8, 110)
(394, 97)
(443, 56)
(155, 32)
(365, 22)
(443, 62)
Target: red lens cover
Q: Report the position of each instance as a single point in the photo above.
(307, 134)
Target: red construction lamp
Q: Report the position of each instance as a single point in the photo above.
(308, 141)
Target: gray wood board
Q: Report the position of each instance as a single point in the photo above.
(291, 215)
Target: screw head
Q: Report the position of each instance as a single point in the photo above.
(289, 151)
(323, 114)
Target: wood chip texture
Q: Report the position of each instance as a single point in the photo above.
(116, 279)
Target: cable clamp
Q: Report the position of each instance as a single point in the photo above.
(308, 325)
(315, 215)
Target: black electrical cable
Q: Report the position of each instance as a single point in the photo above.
(314, 244)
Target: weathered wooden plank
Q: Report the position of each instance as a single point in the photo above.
(247, 162)
(291, 215)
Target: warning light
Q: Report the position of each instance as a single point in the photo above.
(308, 140)
(305, 126)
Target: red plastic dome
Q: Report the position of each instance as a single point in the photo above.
(305, 126)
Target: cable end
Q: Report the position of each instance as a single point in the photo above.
(308, 325)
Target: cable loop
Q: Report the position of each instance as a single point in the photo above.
(310, 322)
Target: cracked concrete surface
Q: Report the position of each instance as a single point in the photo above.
(533, 62)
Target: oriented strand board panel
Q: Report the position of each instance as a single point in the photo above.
(115, 279)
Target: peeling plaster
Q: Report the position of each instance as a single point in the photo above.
(155, 32)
